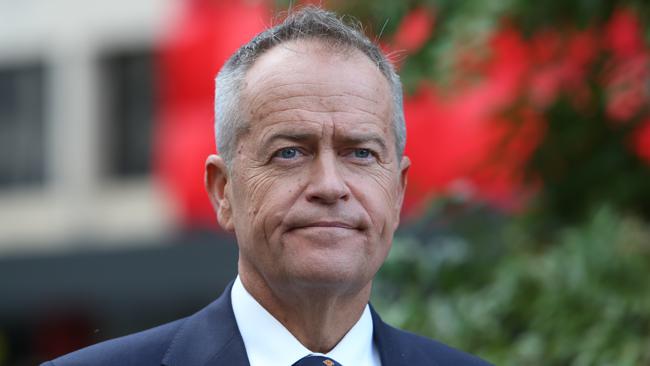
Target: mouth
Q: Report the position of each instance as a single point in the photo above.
(326, 225)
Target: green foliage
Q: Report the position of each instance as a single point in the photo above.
(584, 300)
(586, 160)
(532, 16)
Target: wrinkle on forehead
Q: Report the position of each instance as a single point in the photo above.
(324, 97)
(327, 99)
(310, 114)
(299, 83)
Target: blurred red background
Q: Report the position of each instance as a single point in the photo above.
(454, 131)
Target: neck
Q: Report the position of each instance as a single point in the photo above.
(319, 317)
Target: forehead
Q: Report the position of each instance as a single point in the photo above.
(308, 81)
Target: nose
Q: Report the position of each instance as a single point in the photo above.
(326, 185)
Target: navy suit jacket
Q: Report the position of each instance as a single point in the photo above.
(211, 338)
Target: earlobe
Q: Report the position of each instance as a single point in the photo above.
(216, 184)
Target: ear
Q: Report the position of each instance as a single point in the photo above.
(404, 166)
(217, 182)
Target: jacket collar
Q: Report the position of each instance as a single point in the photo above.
(385, 341)
(209, 337)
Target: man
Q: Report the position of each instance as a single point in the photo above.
(310, 178)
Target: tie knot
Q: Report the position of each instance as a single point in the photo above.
(313, 360)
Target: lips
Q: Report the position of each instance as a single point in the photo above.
(326, 224)
(341, 219)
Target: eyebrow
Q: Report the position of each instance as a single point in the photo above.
(361, 138)
(290, 136)
(351, 139)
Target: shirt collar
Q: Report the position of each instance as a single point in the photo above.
(268, 342)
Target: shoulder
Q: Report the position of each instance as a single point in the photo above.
(416, 347)
(139, 349)
(193, 340)
(400, 347)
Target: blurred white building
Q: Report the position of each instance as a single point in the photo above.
(77, 103)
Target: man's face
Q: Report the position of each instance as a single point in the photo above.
(315, 190)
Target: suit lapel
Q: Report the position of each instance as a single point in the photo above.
(209, 338)
(389, 350)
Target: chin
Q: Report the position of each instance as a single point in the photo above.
(325, 238)
(329, 275)
(318, 261)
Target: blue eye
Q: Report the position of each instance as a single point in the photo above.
(362, 153)
(287, 153)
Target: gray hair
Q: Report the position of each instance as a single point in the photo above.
(307, 23)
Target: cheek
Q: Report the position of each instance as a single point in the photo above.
(378, 192)
(267, 196)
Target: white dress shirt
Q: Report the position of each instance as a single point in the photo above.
(269, 343)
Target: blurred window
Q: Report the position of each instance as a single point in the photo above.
(130, 87)
(21, 124)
